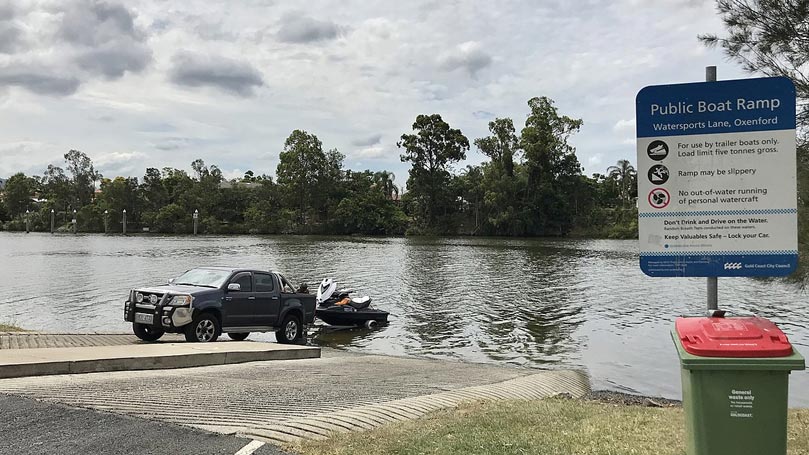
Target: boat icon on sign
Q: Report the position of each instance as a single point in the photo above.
(657, 150)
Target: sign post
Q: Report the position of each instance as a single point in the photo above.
(713, 282)
(717, 179)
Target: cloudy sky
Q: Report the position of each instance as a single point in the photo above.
(153, 83)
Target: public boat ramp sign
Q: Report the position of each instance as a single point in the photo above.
(717, 178)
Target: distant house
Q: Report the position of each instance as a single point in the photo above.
(231, 184)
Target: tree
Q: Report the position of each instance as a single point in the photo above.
(56, 188)
(152, 191)
(84, 175)
(770, 37)
(502, 145)
(500, 185)
(552, 169)
(384, 182)
(626, 176)
(119, 194)
(306, 172)
(433, 148)
(18, 193)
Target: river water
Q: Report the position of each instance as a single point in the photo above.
(532, 303)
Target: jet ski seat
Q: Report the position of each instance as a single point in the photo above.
(360, 303)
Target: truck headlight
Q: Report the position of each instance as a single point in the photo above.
(138, 297)
(180, 300)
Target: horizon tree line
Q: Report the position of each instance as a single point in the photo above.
(532, 185)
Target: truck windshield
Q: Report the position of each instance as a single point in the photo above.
(203, 277)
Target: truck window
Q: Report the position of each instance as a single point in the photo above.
(264, 282)
(285, 286)
(245, 280)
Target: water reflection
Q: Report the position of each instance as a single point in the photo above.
(535, 303)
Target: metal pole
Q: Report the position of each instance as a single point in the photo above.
(106, 220)
(75, 225)
(713, 285)
(52, 220)
(124, 221)
(27, 221)
(196, 216)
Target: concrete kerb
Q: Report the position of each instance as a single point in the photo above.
(15, 363)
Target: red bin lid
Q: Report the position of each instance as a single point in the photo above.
(732, 337)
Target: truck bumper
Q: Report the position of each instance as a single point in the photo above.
(166, 318)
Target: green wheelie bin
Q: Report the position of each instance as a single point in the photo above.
(735, 375)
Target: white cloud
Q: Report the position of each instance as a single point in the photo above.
(117, 158)
(355, 74)
(373, 153)
(595, 161)
(233, 174)
(624, 124)
(469, 55)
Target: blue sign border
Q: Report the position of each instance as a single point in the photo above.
(678, 96)
(674, 117)
(718, 264)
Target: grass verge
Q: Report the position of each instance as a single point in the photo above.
(11, 328)
(550, 426)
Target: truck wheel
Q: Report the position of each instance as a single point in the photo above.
(146, 332)
(204, 328)
(238, 336)
(290, 331)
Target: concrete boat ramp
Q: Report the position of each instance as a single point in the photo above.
(264, 391)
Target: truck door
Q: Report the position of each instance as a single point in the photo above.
(268, 304)
(238, 305)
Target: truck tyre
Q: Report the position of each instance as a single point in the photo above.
(146, 332)
(239, 336)
(203, 329)
(290, 331)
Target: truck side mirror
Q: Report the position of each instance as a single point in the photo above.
(171, 280)
(234, 287)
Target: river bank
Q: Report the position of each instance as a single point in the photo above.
(10, 328)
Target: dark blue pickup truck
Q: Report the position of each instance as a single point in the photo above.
(204, 302)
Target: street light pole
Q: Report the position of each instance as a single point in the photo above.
(105, 220)
(52, 219)
(75, 227)
(124, 221)
(196, 217)
(27, 221)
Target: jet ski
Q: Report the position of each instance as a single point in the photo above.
(337, 307)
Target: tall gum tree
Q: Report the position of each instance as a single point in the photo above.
(499, 185)
(84, 175)
(552, 168)
(307, 175)
(433, 148)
